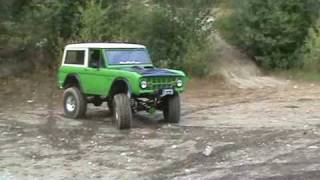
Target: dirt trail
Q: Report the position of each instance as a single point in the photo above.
(239, 70)
(269, 133)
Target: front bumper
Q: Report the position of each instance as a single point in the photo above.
(155, 93)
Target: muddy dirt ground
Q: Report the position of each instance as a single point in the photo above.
(267, 133)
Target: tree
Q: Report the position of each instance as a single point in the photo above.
(93, 20)
(274, 31)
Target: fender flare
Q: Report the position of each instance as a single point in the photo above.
(77, 77)
(126, 81)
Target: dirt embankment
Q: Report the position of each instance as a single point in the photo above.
(238, 69)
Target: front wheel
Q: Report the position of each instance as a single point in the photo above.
(74, 103)
(122, 113)
(171, 109)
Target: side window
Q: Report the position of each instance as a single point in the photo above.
(75, 57)
(96, 59)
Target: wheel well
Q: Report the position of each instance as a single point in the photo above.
(71, 81)
(119, 86)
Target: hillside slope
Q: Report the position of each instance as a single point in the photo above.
(238, 69)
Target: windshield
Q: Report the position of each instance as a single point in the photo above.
(127, 56)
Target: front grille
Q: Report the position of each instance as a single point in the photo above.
(156, 83)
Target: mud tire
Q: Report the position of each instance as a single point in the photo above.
(171, 109)
(122, 113)
(79, 104)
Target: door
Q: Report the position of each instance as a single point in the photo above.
(95, 78)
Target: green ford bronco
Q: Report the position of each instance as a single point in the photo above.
(121, 75)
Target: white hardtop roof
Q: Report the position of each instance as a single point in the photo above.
(106, 45)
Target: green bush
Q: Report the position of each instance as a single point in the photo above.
(31, 35)
(311, 49)
(199, 59)
(177, 37)
(271, 30)
(176, 32)
(92, 21)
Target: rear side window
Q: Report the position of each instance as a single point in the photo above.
(75, 57)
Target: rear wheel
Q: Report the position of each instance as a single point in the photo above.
(74, 103)
(171, 109)
(122, 113)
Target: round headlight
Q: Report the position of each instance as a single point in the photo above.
(179, 83)
(144, 84)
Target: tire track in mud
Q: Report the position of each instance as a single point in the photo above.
(270, 163)
(208, 165)
(263, 97)
(220, 154)
(256, 96)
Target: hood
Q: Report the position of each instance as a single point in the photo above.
(151, 71)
